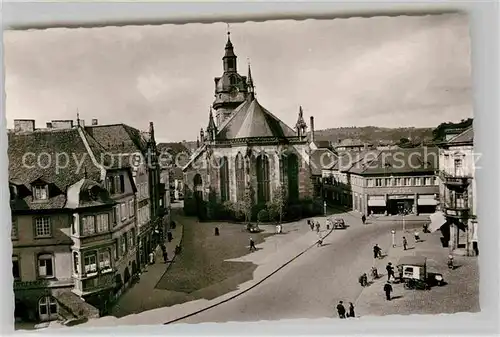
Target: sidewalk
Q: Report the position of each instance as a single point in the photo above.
(143, 295)
(460, 294)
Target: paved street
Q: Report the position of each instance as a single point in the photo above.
(311, 286)
(461, 293)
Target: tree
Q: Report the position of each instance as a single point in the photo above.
(277, 206)
(439, 133)
(245, 206)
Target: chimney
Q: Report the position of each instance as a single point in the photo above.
(62, 124)
(95, 121)
(312, 128)
(24, 125)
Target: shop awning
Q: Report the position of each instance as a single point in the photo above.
(427, 202)
(437, 220)
(376, 202)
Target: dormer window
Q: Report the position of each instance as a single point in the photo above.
(40, 192)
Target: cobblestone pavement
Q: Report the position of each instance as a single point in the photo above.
(460, 294)
(311, 286)
(272, 253)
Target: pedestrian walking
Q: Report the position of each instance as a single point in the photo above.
(388, 291)
(151, 258)
(393, 234)
(390, 271)
(377, 252)
(165, 256)
(320, 242)
(363, 218)
(317, 226)
(351, 310)
(405, 243)
(311, 224)
(341, 310)
(252, 245)
(417, 236)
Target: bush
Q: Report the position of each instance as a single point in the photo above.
(263, 216)
(233, 211)
(190, 208)
(294, 212)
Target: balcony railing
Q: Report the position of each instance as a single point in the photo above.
(458, 179)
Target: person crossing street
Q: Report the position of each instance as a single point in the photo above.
(252, 245)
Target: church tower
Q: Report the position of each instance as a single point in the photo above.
(231, 88)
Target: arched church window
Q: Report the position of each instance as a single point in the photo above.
(198, 187)
(293, 177)
(230, 63)
(232, 80)
(263, 193)
(224, 179)
(239, 169)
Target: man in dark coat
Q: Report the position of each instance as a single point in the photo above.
(351, 310)
(341, 310)
(252, 245)
(363, 219)
(390, 271)
(376, 251)
(388, 291)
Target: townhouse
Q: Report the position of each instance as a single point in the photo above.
(458, 193)
(74, 222)
(138, 150)
(385, 181)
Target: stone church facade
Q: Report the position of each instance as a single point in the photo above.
(246, 147)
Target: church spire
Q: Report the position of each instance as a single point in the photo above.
(211, 128)
(250, 86)
(229, 59)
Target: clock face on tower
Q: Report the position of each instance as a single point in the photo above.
(233, 92)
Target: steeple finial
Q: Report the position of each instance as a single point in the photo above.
(211, 124)
(77, 117)
(301, 124)
(250, 85)
(229, 45)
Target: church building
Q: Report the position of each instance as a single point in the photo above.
(245, 146)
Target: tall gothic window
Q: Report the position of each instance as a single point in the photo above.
(224, 179)
(283, 170)
(197, 187)
(239, 169)
(263, 194)
(292, 168)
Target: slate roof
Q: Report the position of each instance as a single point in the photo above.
(118, 138)
(41, 156)
(322, 144)
(252, 120)
(397, 161)
(465, 137)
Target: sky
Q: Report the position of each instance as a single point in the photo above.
(380, 71)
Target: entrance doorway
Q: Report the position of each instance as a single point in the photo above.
(47, 308)
(399, 206)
